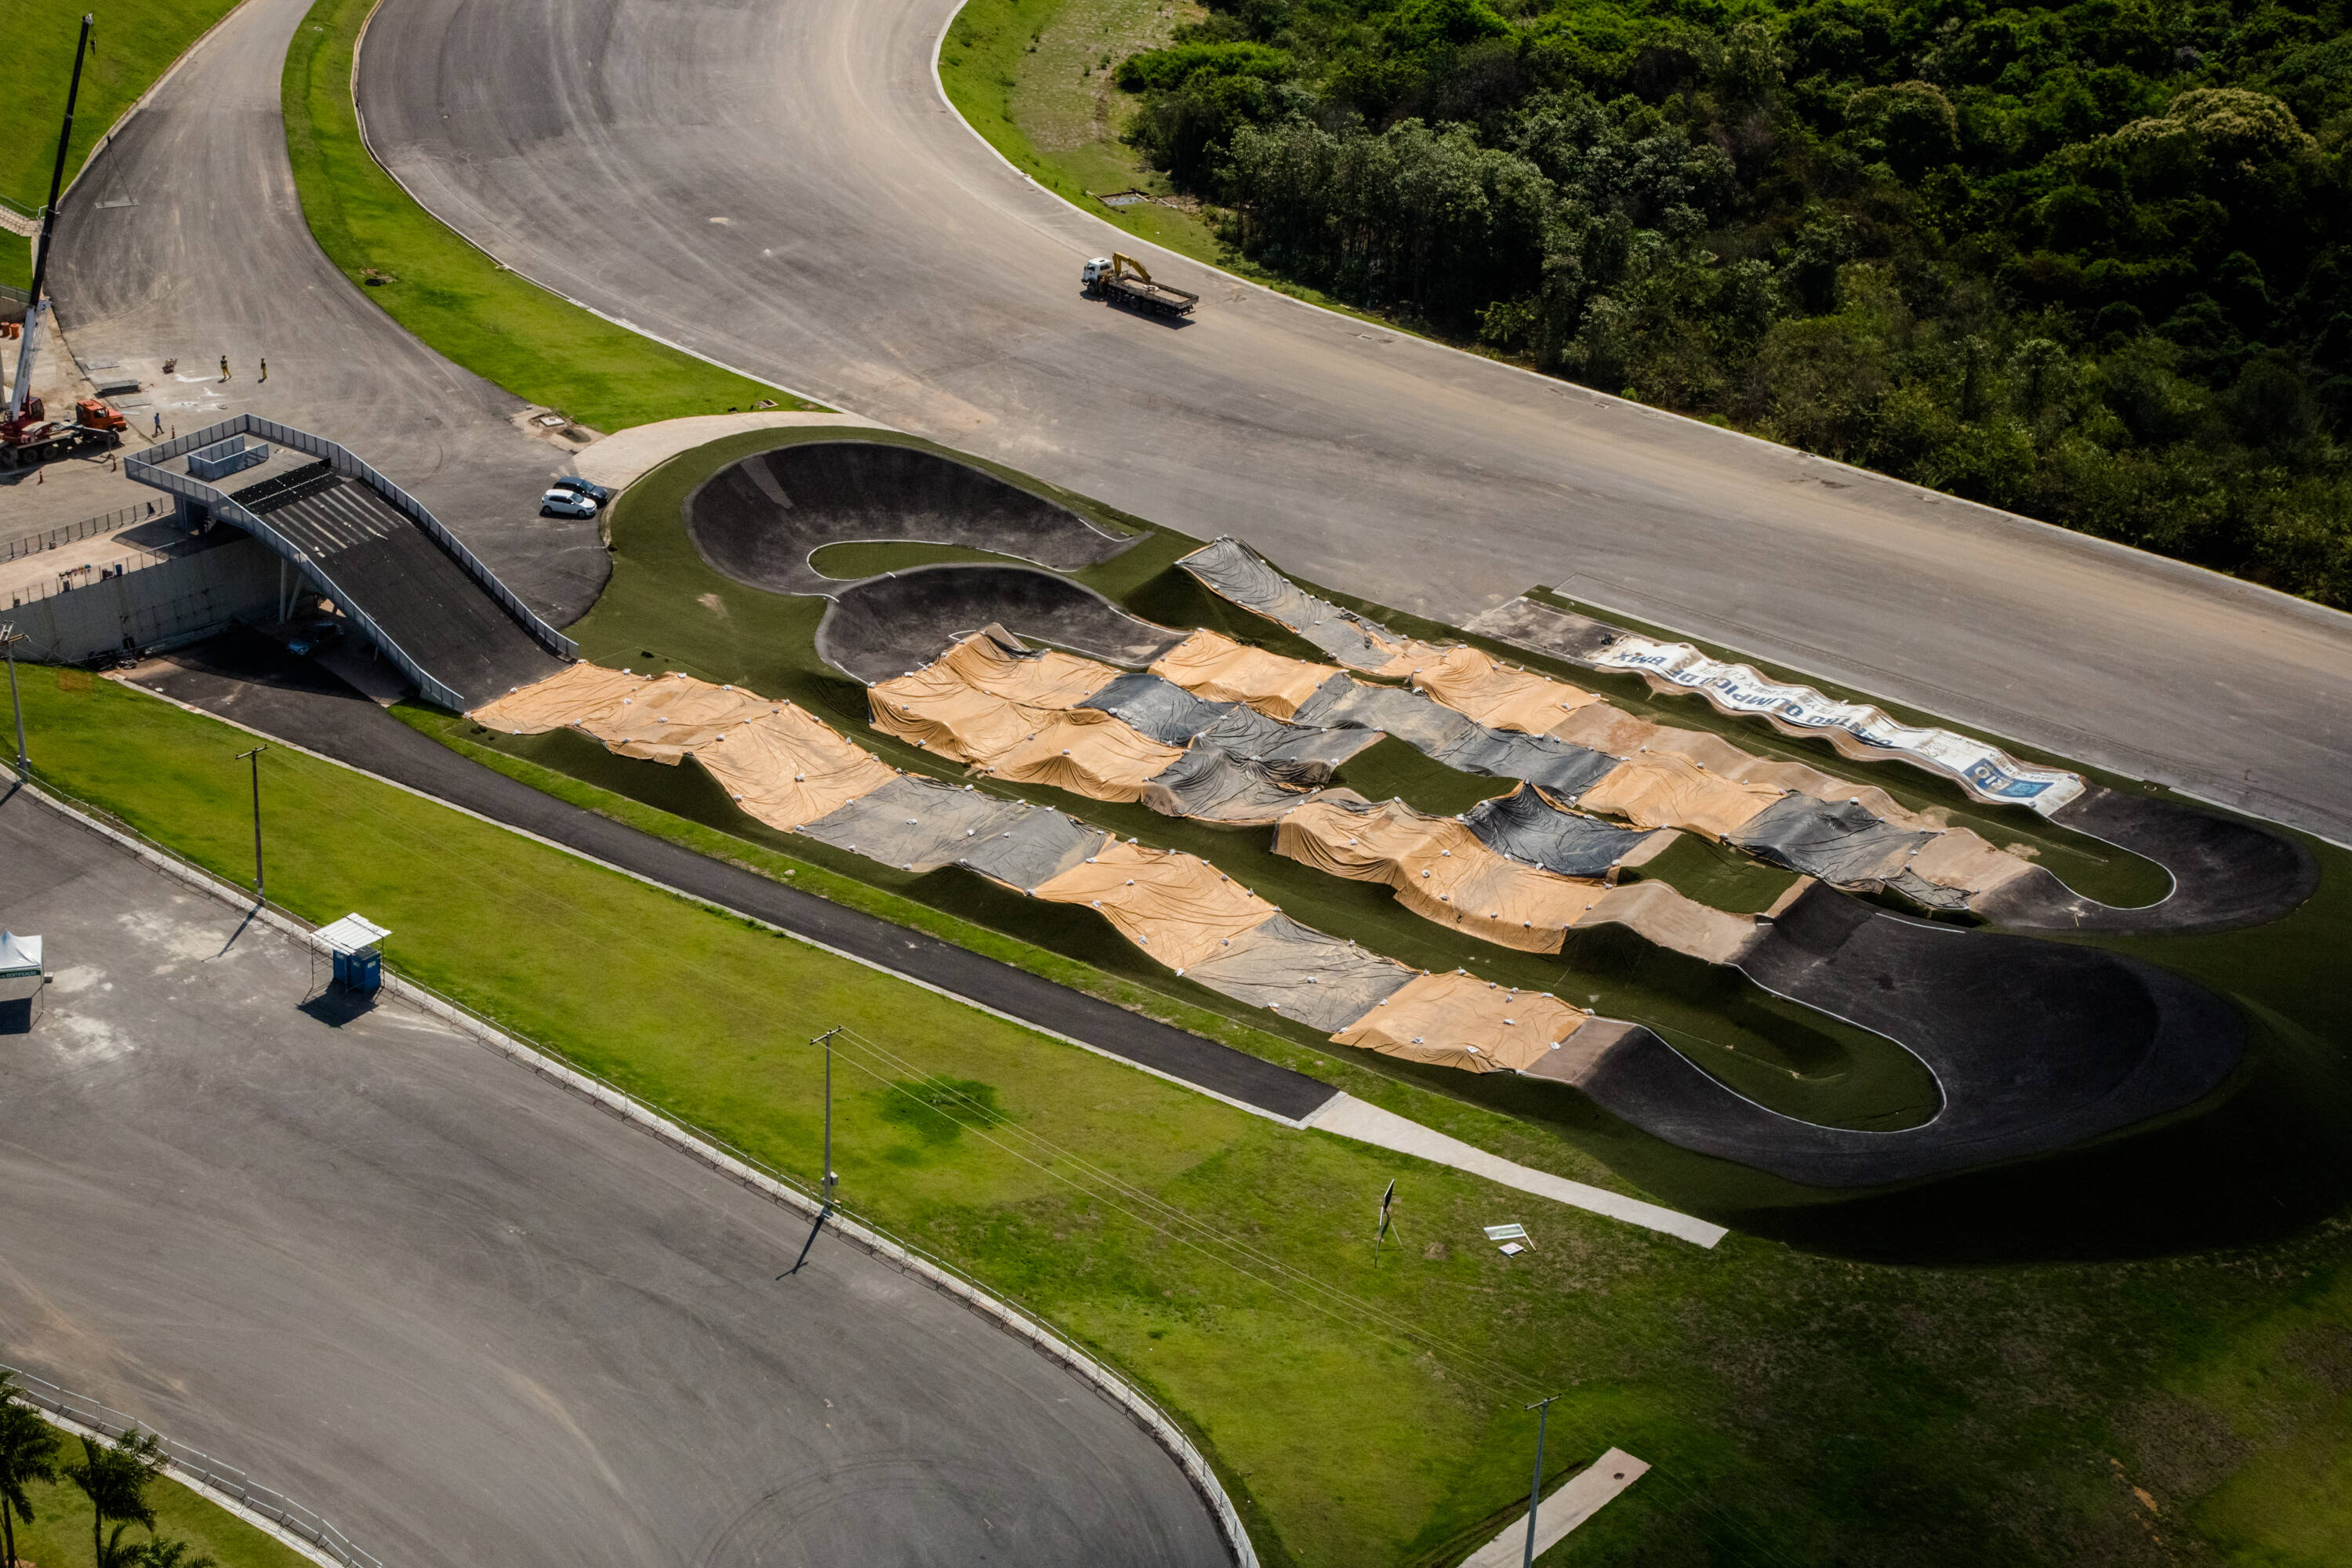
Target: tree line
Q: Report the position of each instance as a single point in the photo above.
(2092, 263)
(115, 1476)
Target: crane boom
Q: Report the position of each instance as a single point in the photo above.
(33, 312)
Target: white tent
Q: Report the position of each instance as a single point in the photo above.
(20, 955)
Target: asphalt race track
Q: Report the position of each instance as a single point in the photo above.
(185, 240)
(781, 186)
(471, 1318)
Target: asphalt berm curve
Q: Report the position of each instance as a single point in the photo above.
(885, 626)
(758, 519)
(2226, 874)
(2036, 1045)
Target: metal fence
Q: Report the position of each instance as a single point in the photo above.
(25, 544)
(755, 1174)
(197, 1467)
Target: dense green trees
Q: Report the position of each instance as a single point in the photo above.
(2090, 262)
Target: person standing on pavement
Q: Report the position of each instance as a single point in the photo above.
(223, 367)
(159, 425)
(265, 370)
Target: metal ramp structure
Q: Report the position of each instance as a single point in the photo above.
(405, 582)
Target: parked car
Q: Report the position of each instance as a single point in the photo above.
(566, 503)
(579, 486)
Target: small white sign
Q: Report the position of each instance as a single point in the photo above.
(1512, 1249)
(1506, 1233)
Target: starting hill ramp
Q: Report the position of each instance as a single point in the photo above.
(403, 581)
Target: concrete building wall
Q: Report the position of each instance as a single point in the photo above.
(172, 601)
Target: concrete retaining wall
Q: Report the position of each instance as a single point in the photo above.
(171, 601)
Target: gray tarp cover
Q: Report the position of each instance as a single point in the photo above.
(915, 823)
(1320, 980)
(1037, 846)
(1526, 824)
(1214, 785)
(1233, 571)
(1842, 843)
(1454, 738)
(1173, 716)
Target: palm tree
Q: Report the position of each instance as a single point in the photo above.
(27, 1454)
(168, 1554)
(115, 1479)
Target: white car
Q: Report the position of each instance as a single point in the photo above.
(565, 503)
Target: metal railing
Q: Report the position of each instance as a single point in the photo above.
(25, 544)
(749, 1171)
(196, 1466)
(147, 468)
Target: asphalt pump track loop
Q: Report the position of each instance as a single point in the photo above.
(2226, 873)
(2036, 1045)
(758, 519)
(892, 626)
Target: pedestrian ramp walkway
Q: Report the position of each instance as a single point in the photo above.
(404, 581)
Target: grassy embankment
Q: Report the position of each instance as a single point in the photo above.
(1032, 76)
(1799, 1407)
(455, 298)
(135, 41)
(59, 1533)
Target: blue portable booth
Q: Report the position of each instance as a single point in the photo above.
(355, 943)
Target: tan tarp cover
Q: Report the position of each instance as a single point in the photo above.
(1222, 671)
(785, 768)
(575, 692)
(1405, 654)
(1661, 790)
(1440, 869)
(1620, 734)
(994, 661)
(1957, 857)
(1176, 907)
(1086, 751)
(664, 721)
(1458, 1020)
(1082, 749)
(1670, 920)
(1498, 696)
(938, 709)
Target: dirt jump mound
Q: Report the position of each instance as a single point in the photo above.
(758, 521)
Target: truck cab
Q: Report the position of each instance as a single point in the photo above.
(1093, 272)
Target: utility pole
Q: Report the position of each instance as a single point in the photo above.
(9, 637)
(23, 388)
(1380, 1232)
(1542, 1407)
(824, 1188)
(260, 893)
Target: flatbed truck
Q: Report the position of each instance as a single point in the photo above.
(1122, 280)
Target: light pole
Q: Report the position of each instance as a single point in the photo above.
(9, 637)
(260, 892)
(1542, 1407)
(824, 1188)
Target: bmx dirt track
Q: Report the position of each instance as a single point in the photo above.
(876, 256)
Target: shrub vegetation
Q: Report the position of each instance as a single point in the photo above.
(2091, 262)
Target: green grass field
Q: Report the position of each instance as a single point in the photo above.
(59, 1536)
(455, 298)
(1801, 1406)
